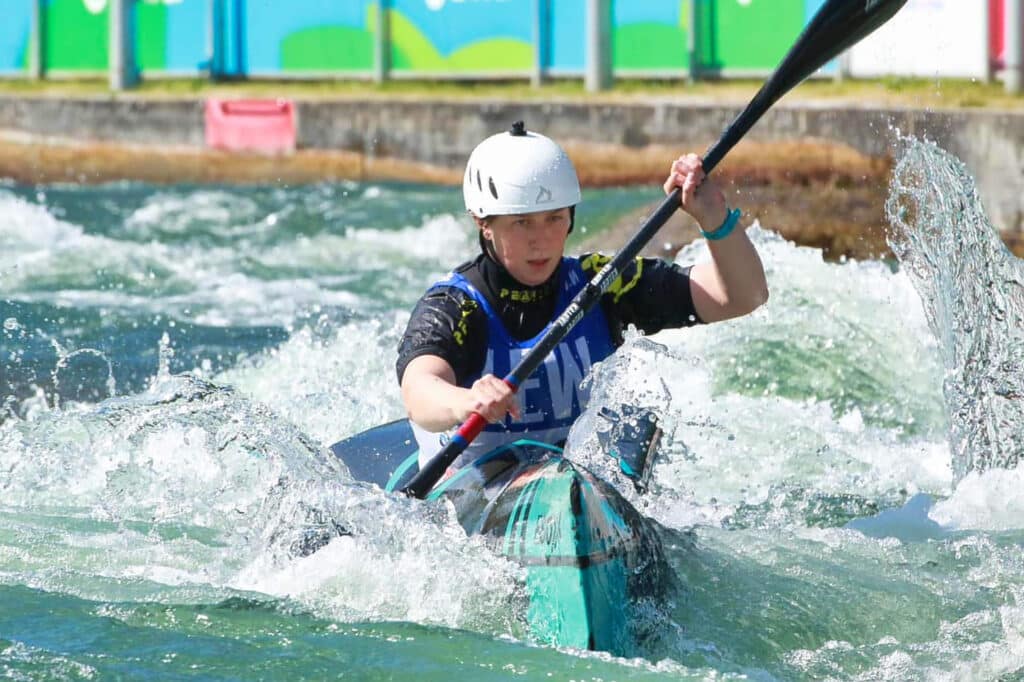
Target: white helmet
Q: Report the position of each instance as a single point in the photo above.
(519, 172)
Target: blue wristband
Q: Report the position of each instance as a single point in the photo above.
(732, 218)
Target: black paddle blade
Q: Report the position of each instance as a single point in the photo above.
(837, 25)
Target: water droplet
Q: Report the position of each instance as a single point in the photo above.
(11, 324)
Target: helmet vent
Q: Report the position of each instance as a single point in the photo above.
(479, 185)
(494, 190)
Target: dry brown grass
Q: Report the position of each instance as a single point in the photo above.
(801, 162)
(89, 163)
(815, 193)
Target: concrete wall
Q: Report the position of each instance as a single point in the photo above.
(131, 121)
(989, 142)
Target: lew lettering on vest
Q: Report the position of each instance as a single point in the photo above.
(554, 389)
(552, 397)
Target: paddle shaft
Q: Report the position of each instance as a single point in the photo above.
(837, 25)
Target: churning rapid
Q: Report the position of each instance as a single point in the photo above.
(837, 491)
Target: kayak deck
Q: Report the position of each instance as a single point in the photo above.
(585, 550)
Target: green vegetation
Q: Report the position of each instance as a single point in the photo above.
(916, 93)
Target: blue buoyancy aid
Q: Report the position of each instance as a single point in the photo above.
(551, 398)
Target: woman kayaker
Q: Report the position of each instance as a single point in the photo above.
(471, 328)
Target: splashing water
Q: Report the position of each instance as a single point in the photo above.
(972, 288)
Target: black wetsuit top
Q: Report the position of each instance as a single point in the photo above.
(651, 294)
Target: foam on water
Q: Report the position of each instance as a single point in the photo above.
(331, 381)
(797, 403)
(222, 213)
(986, 500)
(188, 490)
(28, 228)
(241, 279)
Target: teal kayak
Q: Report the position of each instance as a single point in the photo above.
(588, 554)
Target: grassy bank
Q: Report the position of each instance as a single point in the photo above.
(903, 92)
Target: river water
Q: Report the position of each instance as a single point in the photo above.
(837, 488)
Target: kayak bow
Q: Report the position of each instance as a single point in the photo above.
(588, 555)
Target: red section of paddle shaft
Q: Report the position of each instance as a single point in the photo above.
(472, 427)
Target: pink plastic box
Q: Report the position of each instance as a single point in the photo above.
(263, 125)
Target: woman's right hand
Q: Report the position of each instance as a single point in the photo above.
(492, 399)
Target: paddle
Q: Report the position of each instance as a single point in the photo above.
(837, 25)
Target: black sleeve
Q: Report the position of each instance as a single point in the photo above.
(651, 294)
(447, 323)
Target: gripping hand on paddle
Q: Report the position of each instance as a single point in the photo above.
(701, 196)
(435, 402)
(492, 399)
(732, 283)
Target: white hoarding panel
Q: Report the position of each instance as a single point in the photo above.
(927, 38)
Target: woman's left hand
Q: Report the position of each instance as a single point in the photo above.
(701, 196)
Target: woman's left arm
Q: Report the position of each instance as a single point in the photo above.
(733, 283)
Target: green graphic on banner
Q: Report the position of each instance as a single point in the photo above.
(328, 48)
(752, 34)
(76, 33)
(345, 48)
(411, 50)
(151, 44)
(652, 45)
(495, 54)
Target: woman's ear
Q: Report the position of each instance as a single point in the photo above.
(484, 229)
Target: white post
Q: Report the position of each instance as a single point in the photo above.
(986, 31)
(1012, 73)
(36, 41)
(382, 44)
(843, 68)
(122, 69)
(599, 73)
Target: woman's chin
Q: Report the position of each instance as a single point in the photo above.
(534, 273)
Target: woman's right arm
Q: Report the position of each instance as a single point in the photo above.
(436, 403)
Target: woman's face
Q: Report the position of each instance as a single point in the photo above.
(529, 245)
